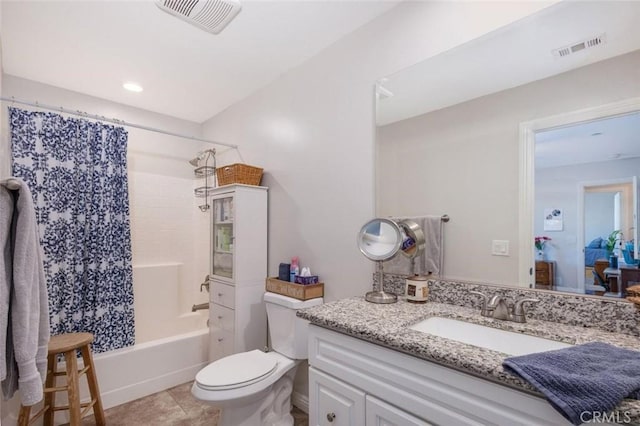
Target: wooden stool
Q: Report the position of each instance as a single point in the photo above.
(67, 344)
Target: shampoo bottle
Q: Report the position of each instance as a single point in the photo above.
(295, 269)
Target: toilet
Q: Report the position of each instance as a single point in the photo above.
(254, 388)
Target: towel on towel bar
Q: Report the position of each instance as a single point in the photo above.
(583, 379)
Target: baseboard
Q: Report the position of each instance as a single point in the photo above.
(301, 401)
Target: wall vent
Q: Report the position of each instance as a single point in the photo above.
(209, 15)
(577, 47)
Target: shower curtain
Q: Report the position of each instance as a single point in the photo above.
(77, 172)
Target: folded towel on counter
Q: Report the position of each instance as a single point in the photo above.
(581, 380)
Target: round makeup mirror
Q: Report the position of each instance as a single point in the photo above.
(380, 240)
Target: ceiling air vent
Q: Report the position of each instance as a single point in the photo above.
(576, 47)
(209, 15)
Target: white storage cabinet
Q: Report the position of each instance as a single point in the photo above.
(237, 317)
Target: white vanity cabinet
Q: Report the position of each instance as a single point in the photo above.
(237, 317)
(366, 384)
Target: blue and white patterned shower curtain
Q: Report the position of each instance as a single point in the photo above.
(77, 172)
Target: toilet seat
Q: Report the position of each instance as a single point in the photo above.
(236, 371)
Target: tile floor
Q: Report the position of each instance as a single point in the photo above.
(173, 407)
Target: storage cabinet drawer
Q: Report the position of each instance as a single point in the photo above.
(221, 344)
(223, 294)
(221, 318)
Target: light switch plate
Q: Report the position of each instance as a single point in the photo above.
(500, 248)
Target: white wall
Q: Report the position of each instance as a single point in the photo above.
(463, 161)
(558, 187)
(313, 130)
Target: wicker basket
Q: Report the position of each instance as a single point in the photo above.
(239, 173)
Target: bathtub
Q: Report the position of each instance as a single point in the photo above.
(172, 343)
(131, 373)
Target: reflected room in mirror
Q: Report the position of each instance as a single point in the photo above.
(545, 120)
(590, 170)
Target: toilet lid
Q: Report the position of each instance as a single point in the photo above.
(236, 371)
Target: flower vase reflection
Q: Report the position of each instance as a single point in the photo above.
(540, 242)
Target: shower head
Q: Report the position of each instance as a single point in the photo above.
(195, 161)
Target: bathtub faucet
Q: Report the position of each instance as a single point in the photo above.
(199, 307)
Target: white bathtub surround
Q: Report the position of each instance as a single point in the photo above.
(163, 300)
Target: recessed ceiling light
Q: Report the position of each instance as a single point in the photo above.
(132, 87)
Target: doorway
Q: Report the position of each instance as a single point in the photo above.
(606, 207)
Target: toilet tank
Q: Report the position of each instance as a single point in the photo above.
(288, 333)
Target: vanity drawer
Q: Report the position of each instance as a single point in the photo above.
(221, 317)
(223, 294)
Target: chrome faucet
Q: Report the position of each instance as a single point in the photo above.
(498, 308)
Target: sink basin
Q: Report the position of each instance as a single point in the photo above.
(487, 337)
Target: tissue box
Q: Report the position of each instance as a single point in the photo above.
(309, 279)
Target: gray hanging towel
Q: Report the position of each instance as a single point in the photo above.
(24, 311)
(581, 380)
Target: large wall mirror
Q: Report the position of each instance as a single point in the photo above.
(530, 131)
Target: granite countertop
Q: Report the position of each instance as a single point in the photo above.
(388, 325)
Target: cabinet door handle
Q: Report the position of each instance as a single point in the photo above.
(219, 316)
(219, 294)
(220, 339)
(331, 417)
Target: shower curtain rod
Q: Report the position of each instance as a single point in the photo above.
(111, 120)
